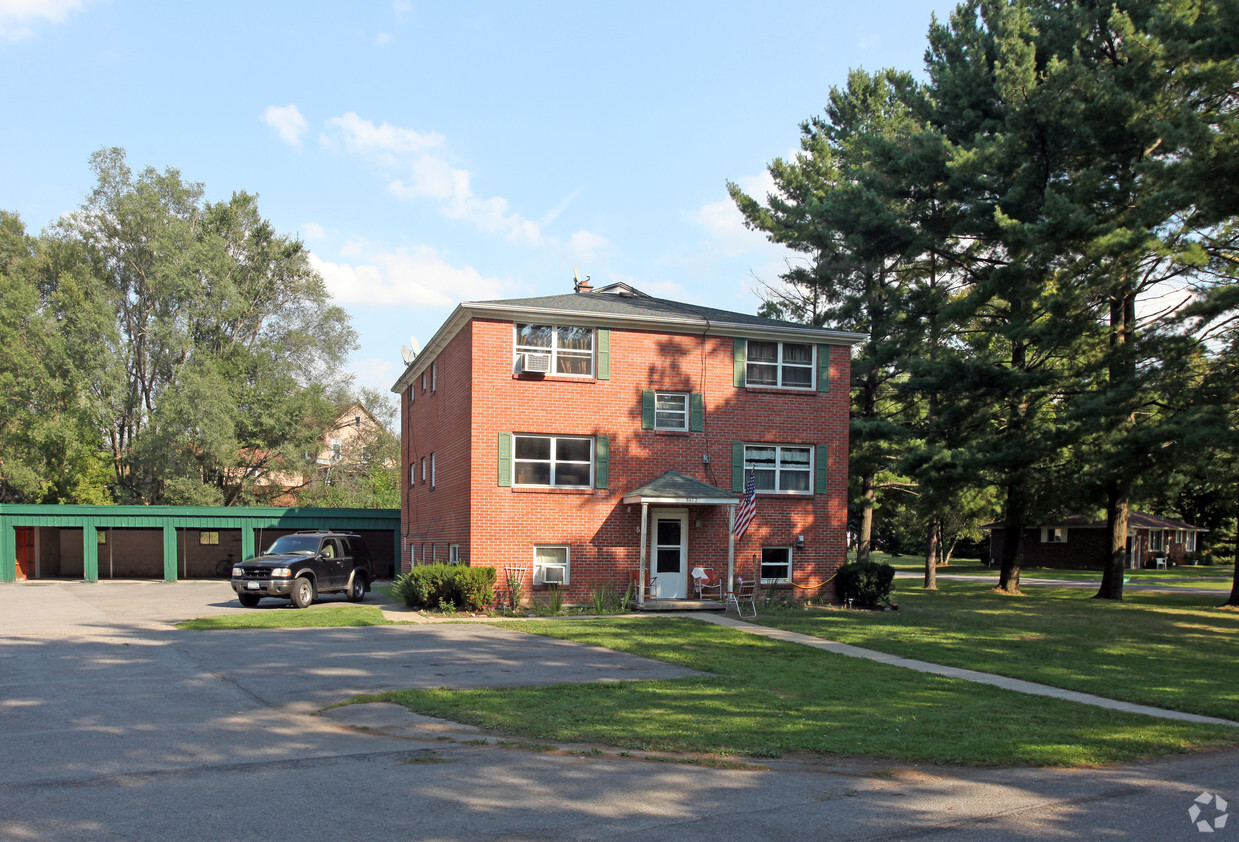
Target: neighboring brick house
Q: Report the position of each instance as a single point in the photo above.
(585, 437)
(1079, 542)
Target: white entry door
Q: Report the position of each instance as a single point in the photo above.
(669, 554)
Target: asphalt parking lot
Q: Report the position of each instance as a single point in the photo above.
(113, 725)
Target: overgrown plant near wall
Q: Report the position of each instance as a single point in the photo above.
(435, 585)
(866, 584)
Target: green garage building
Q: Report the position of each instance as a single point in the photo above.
(167, 542)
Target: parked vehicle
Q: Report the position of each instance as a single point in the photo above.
(301, 566)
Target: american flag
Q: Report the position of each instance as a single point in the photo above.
(748, 506)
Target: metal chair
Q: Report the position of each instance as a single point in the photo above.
(745, 593)
(706, 583)
(634, 576)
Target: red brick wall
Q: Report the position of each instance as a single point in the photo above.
(602, 532)
(438, 422)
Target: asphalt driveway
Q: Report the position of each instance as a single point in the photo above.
(114, 726)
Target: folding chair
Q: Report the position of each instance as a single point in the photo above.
(706, 583)
(743, 594)
(634, 576)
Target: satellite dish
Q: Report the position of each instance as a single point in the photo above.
(409, 352)
(576, 274)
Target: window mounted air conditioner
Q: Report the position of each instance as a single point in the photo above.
(550, 574)
(536, 363)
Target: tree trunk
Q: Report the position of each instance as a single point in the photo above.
(1012, 532)
(1234, 588)
(1118, 509)
(931, 555)
(864, 541)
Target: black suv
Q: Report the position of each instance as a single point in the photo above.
(302, 565)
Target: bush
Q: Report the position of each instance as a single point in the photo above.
(432, 585)
(868, 584)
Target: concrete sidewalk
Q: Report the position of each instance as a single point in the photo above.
(1002, 681)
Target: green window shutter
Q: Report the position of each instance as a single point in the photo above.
(602, 462)
(604, 354)
(647, 409)
(737, 466)
(739, 361)
(823, 368)
(821, 469)
(505, 459)
(697, 413)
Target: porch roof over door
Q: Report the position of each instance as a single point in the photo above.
(677, 489)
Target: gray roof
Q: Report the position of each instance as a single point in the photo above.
(675, 487)
(620, 304)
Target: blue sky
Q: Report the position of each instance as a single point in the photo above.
(431, 153)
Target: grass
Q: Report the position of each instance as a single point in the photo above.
(1166, 650)
(763, 698)
(287, 617)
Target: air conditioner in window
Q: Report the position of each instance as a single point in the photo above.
(550, 574)
(536, 363)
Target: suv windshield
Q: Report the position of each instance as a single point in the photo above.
(293, 544)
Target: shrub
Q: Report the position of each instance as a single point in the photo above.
(868, 584)
(433, 585)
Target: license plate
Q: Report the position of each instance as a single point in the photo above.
(251, 586)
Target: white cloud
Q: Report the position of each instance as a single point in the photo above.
(420, 162)
(382, 38)
(375, 373)
(287, 121)
(586, 245)
(313, 231)
(417, 276)
(723, 223)
(16, 15)
(401, 8)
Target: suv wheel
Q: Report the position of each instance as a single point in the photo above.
(302, 594)
(249, 600)
(357, 590)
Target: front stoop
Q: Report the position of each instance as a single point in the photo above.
(679, 605)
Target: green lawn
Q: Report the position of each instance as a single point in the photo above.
(287, 617)
(766, 698)
(1168, 650)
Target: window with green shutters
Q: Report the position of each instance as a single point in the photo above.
(553, 461)
(780, 365)
(674, 411)
(792, 469)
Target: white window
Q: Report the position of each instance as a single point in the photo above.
(434, 376)
(557, 461)
(423, 381)
(337, 450)
(776, 565)
(780, 468)
(783, 365)
(1053, 535)
(413, 474)
(453, 553)
(571, 349)
(432, 470)
(671, 410)
(1189, 542)
(550, 565)
(423, 469)
(1155, 540)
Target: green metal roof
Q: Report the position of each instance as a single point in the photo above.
(224, 517)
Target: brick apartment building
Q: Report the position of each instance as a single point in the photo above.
(604, 435)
